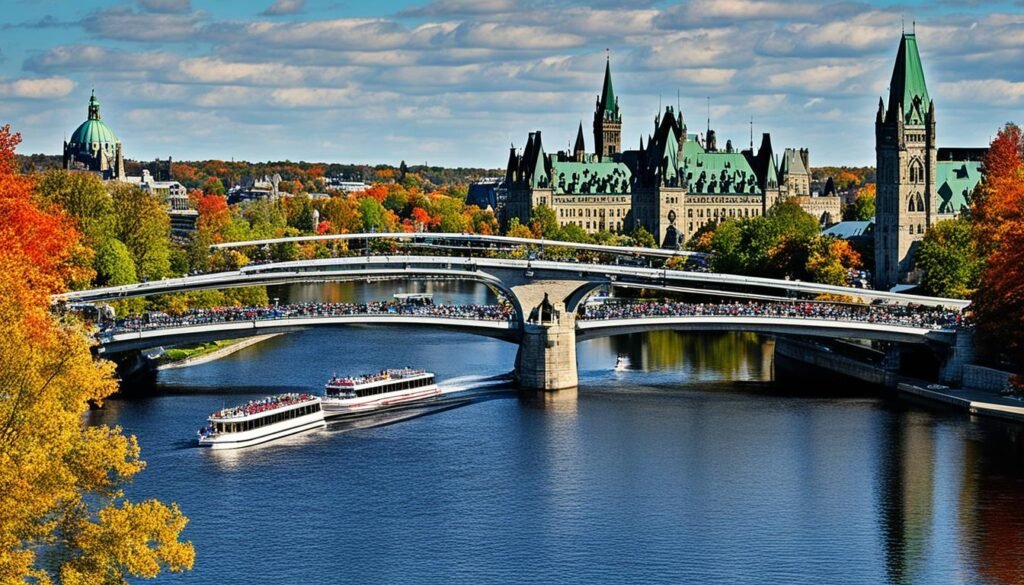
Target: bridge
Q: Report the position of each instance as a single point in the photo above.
(546, 295)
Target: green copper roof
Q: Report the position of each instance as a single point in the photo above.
(594, 178)
(93, 134)
(955, 182)
(907, 86)
(608, 93)
(717, 172)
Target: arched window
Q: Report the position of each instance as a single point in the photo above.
(920, 202)
(910, 203)
(916, 171)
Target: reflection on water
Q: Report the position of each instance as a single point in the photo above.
(693, 465)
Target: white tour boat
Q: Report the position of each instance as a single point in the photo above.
(377, 391)
(259, 421)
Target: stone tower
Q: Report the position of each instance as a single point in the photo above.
(905, 172)
(607, 119)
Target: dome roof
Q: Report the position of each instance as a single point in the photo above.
(93, 134)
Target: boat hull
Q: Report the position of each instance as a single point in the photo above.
(265, 434)
(340, 407)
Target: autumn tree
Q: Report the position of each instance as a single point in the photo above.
(62, 512)
(862, 208)
(517, 230)
(998, 219)
(829, 260)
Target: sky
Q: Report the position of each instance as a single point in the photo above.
(455, 82)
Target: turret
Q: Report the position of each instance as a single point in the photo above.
(579, 151)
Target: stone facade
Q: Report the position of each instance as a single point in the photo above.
(914, 189)
(672, 185)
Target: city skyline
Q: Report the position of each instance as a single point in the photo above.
(452, 83)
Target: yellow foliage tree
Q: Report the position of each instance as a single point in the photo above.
(62, 511)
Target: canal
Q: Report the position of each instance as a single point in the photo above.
(696, 462)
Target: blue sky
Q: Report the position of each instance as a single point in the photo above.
(454, 82)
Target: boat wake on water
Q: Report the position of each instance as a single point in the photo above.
(466, 383)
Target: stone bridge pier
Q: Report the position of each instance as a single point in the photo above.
(547, 348)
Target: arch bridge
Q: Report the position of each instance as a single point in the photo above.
(546, 295)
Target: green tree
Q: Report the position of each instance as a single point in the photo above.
(574, 233)
(84, 196)
(113, 264)
(727, 255)
(142, 224)
(642, 238)
(949, 259)
(372, 213)
(544, 222)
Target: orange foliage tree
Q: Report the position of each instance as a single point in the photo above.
(59, 479)
(998, 218)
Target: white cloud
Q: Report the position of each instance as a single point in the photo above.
(461, 8)
(993, 91)
(127, 25)
(38, 89)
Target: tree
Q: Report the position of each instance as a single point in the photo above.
(449, 211)
(84, 197)
(214, 216)
(862, 208)
(544, 222)
(114, 265)
(642, 238)
(517, 229)
(774, 245)
(141, 222)
(574, 233)
(998, 216)
(829, 260)
(213, 186)
(949, 259)
(60, 480)
(998, 201)
(372, 213)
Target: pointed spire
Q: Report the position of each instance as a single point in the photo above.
(608, 103)
(907, 85)
(580, 145)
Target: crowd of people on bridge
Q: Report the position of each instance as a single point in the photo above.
(906, 315)
(418, 308)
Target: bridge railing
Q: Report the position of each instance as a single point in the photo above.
(899, 315)
(223, 315)
(438, 240)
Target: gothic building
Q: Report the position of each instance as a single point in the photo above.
(674, 183)
(94, 147)
(918, 184)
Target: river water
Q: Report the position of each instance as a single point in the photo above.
(699, 463)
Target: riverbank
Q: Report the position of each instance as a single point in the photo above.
(985, 401)
(215, 352)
